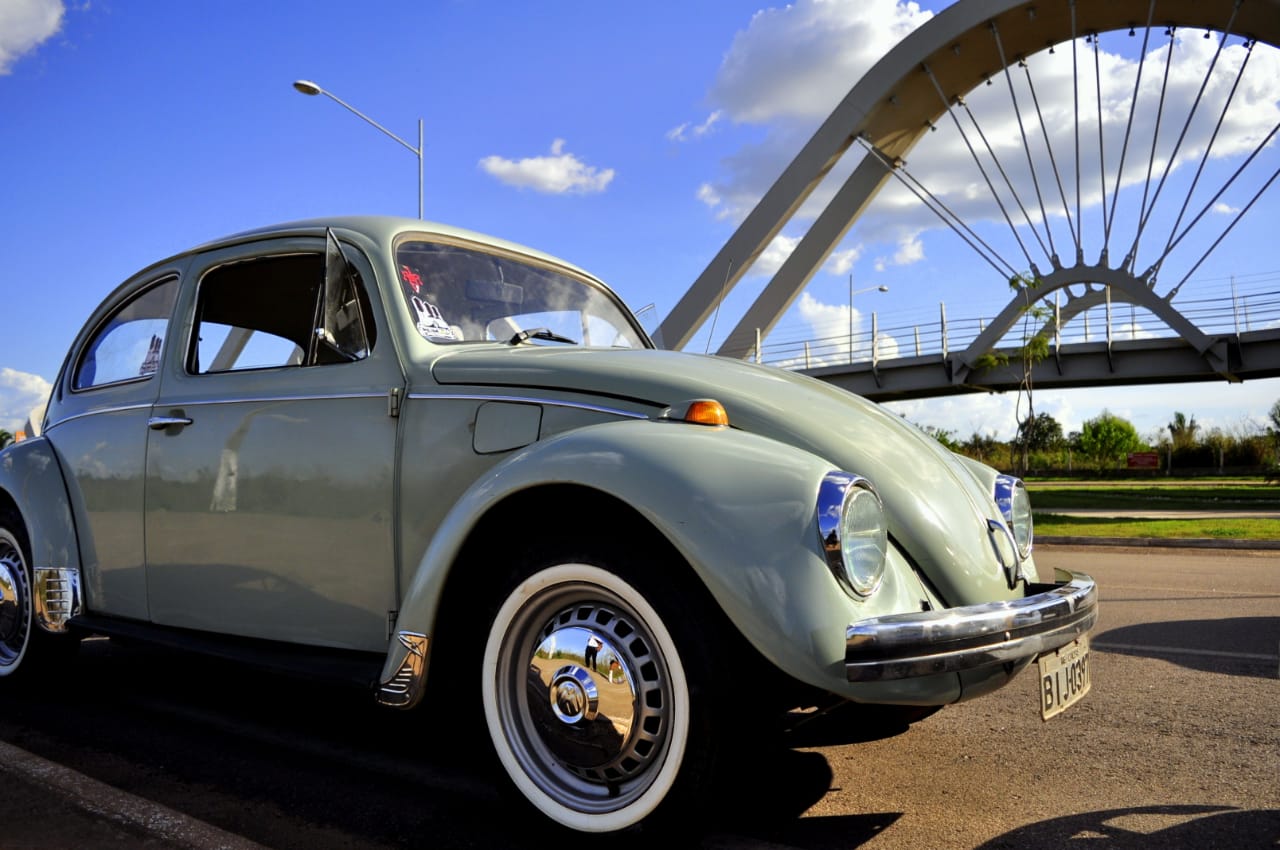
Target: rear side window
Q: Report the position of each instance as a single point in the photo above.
(127, 346)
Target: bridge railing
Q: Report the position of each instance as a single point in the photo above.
(1215, 316)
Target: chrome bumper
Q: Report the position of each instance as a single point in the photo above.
(906, 646)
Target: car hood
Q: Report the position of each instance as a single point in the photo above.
(937, 508)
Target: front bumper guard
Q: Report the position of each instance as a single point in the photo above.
(907, 646)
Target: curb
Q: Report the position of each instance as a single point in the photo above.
(108, 805)
(1164, 543)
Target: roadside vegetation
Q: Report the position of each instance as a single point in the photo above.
(1076, 478)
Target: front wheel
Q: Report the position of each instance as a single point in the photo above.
(596, 697)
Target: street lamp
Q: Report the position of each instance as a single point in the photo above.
(881, 288)
(310, 88)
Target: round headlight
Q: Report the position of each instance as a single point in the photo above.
(1015, 504)
(854, 532)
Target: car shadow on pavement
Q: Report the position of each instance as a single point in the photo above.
(1166, 827)
(1240, 646)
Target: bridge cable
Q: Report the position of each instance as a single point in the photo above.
(1044, 130)
(934, 204)
(1168, 166)
(1133, 108)
(1209, 147)
(1026, 146)
(974, 154)
(1075, 93)
(1233, 223)
(1102, 153)
(1209, 205)
(1143, 210)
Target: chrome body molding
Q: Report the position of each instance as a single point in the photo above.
(516, 399)
(98, 411)
(56, 597)
(404, 689)
(905, 646)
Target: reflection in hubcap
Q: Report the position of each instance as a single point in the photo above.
(10, 618)
(594, 722)
(574, 696)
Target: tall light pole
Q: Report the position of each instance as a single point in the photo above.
(310, 88)
(851, 294)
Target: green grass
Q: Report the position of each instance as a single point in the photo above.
(1051, 498)
(1171, 496)
(1055, 525)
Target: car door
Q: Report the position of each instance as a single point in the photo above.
(97, 423)
(269, 500)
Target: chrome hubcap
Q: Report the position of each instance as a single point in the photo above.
(9, 602)
(14, 616)
(586, 698)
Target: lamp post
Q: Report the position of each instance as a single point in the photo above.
(881, 288)
(310, 88)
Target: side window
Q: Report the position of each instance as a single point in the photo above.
(263, 314)
(127, 346)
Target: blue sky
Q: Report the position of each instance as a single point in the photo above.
(626, 138)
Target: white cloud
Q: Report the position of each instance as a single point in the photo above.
(1225, 209)
(774, 255)
(841, 262)
(558, 174)
(686, 132)
(834, 332)
(20, 393)
(910, 250)
(797, 61)
(24, 26)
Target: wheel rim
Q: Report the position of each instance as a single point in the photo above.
(15, 606)
(594, 745)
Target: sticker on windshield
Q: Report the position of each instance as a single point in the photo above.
(411, 279)
(430, 323)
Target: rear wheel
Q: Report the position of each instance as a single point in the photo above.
(599, 692)
(16, 614)
(24, 646)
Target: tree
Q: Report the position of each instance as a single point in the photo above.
(1040, 432)
(942, 435)
(1108, 439)
(1183, 431)
(980, 447)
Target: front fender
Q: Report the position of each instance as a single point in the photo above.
(740, 509)
(32, 477)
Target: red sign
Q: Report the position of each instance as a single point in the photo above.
(1144, 460)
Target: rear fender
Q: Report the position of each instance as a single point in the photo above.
(31, 477)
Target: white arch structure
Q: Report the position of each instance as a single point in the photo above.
(924, 81)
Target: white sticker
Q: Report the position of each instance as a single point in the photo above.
(430, 323)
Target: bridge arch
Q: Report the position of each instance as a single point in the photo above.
(924, 81)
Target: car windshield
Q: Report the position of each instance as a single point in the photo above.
(458, 294)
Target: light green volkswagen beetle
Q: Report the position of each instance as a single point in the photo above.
(455, 469)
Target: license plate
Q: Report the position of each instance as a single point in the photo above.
(1064, 677)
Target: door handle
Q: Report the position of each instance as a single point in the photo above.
(159, 423)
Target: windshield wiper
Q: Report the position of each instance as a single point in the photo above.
(540, 333)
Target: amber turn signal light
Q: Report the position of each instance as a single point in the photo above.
(707, 412)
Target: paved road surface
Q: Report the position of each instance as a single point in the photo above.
(1177, 746)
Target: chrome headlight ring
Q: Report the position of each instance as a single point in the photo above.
(1015, 506)
(853, 532)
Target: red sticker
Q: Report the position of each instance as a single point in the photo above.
(411, 278)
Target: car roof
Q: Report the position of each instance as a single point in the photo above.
(384, 230)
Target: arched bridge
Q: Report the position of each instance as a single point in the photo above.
(1109, 203)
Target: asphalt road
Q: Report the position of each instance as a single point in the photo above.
(1177, 746)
